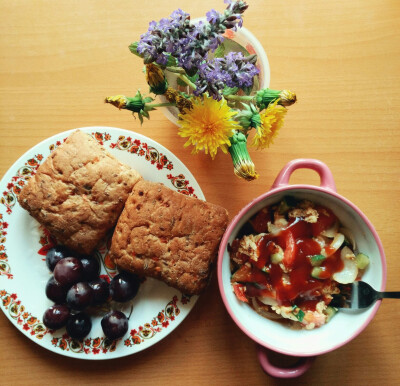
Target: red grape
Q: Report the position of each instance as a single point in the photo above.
(124, 286)
(80, 296)
(54, 255)
(101, 291)
(56, 317)
(114, 325)
(79, 325)
(68, 271)
(55, 291)
(91, 268)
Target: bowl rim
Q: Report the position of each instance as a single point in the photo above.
(243, 212)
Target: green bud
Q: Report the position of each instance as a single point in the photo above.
(249, 117)
(135, 104)
(133, 48)
(266, 96)
(242, 163)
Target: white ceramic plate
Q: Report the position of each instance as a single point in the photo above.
(157, 309)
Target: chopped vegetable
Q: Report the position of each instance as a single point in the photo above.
(335, 244)
(298, 313)
(289, 254)
(362, 261)
(239, 290)
(316, 260)
(332, 231)
(292, 263)
(350, 271)
(325, 220)
(277, 257)
(317, 272)
(330, 312)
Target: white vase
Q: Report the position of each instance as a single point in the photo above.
(247, 40)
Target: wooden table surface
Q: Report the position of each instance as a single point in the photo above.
(60, 59)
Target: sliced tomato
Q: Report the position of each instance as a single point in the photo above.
(265, 250)
(325, 220)
(243, 274)
(260, 221)
(259, 277)
(239, 290)
(289, 254)
(300, 228)
(247, 274)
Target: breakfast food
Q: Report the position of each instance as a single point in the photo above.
(79, 192)
(168, 236)
(77, 287)
(289, 260)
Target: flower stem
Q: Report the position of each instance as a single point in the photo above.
(185, 79)
(176, 70)
(239, 97)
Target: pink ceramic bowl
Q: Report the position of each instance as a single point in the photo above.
(346, 324)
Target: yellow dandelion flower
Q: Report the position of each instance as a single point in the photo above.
(171, 94)
(117, 101)
(287, 98)
(208, 125)
(156, 79)
(271, 121)
(154, 75)
(181, 102)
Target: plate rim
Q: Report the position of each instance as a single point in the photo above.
(188, 176)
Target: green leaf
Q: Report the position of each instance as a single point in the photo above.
(247, 90)
(228, 45)
(133, 49)
(191, 72)
(230, 90)
(298, 313)
(171, 62)
(148, 99)
(192, 78)
(180, 82)
(220, 51)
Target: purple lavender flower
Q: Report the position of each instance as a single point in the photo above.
(164, 37)
(187, 43)
(213, 16)
(234, 70)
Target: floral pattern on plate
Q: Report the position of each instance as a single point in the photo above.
(157, 310)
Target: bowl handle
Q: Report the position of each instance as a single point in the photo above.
(303, 364)
(325, 174)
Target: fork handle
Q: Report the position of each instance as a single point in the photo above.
(392, 295)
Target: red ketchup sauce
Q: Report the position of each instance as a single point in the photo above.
(296, 287)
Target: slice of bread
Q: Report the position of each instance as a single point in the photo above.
(168, 236)
(79, 192)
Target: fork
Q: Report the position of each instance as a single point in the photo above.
(359, 295)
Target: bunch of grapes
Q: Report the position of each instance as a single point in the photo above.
(76, 285)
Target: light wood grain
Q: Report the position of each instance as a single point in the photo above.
(60, 59)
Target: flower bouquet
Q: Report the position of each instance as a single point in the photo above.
(215, 92)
